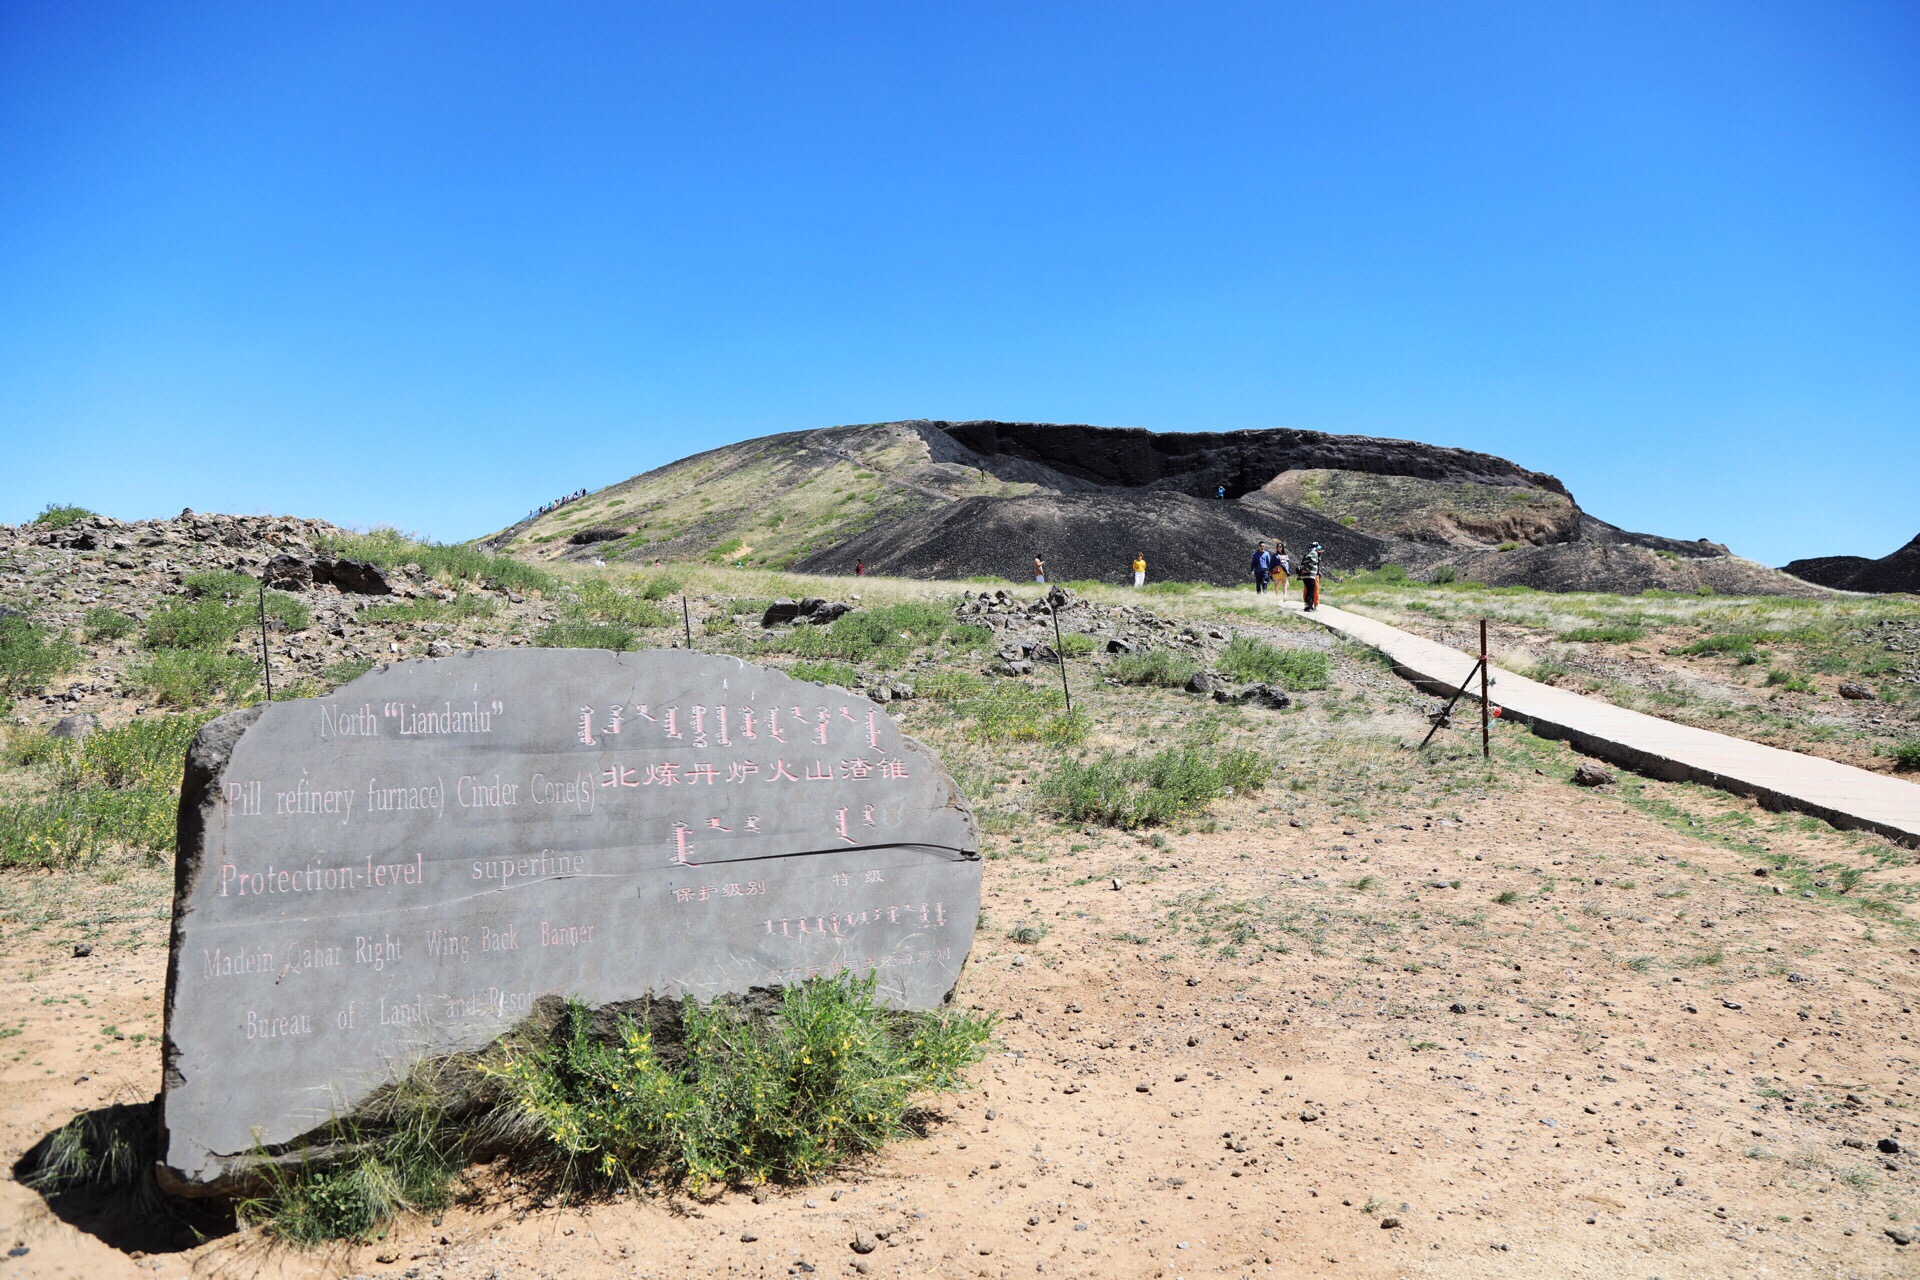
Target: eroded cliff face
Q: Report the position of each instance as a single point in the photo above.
(1199, 463)
(1898, 571)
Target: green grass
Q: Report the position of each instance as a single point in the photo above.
(57, 515)
(575, 634)
(31, 655)
(1618, 633)
(448, 562)
(1788, 682)
(825, 673)
(1736, 642)
(112, 1149)
(1136, 791)
(600, 600)
(1000, 711)
(464, 605)
(1906, 755)
(697, 1096)
(1076, 644)
(117, 788)
(1249, 659)
(104, 623)
(1170, 588)
(218, 606)
(195, 677)
(1161, 667)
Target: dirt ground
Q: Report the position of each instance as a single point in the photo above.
(1328, 1049)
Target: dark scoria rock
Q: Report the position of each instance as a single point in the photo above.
(296, 573)
(1898, 571)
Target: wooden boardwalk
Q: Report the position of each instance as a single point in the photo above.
(1839, 793)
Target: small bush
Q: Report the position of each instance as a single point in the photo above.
(112, 1149)
(31, 655)
(449, 562)
(344, 671)
(1444, 574)
(196, 623)
(829, 1077)
(1131, 791)
(1788, 682)
(969, 639)
(1161, 667)
(1621, 633)
(104, 623)
(1249, 659)
(574, 634)
(662, 586)
(601, 601)
(464, 605)
(1739, 642)
(1076, 644)
(195, 677)
(825, 673)
(1906, 756)
(60, 515)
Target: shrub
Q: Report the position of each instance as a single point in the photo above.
(1131, 791)
(1788, 682)
(662, 586)
(704, 1096)
(60, 515)
(574, 634)
(1906, 756)
(464, 605)
(968, 638)
(104, 623)
(1161, 667)
(1076, 644)
(195, 623)
(825, 673)
(31, 655)
(118, 787)
(195, 677)
(1444, 574)
(1738, 642)
(829, 1077)
(601, 601)
(1617, 633)
(449, 562)
(1249, 659)
(1004, 711)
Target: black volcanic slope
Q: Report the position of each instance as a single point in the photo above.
(1199, 462)
(1899, 571)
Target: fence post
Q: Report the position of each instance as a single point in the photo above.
(686, 620)
(266, 660)
(1486, 748)
(1060, 651)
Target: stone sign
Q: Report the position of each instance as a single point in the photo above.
(403, 867)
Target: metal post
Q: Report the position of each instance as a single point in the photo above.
(266, 663)
(1486, 744)
(686, 620)
(1060, 651)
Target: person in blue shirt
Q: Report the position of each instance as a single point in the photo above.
(1262, 568)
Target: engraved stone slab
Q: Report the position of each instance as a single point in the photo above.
(403, 867)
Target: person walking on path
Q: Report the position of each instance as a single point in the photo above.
(1282, 566)
(1139, 569)
(1310, 579)
(1262, 568)
(859, 568)
(1039, 569)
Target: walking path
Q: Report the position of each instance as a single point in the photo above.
(1839, 793)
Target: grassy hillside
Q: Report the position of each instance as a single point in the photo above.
(762, 503)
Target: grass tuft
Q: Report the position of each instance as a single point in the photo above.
(1249, 659)
(1133, 791)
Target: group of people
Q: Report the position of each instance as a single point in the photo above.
(557, 503)
(1270, 568)
(1273, 568)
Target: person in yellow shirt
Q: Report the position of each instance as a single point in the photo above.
(1139, 570)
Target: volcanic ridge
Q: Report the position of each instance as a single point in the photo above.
(936, 499)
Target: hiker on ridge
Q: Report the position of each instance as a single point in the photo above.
(1262, 567)
(1139, 569)
(1039, 569)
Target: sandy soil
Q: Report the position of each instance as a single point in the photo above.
(1647, 1063)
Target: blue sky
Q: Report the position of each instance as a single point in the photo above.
(430, 264)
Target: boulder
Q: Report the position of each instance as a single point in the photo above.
(288, 573)
(74, 728)
(1205, 682)
(1016, 667)
(1853, 691)
(1591, 775)
(780, 613)
(1119, 646)
(356, 577)
(1256, 695)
